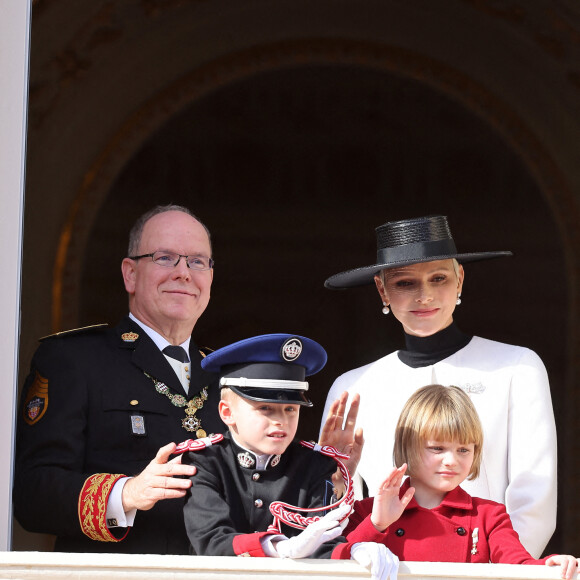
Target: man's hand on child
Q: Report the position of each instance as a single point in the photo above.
(569, 564)
(341, 435)
(157, 481)
(387, 507)
(377, 558)
(307, 542)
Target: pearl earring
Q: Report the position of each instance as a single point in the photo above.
(385, 308)
(458, 301)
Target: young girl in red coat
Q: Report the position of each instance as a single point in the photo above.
(438, 442)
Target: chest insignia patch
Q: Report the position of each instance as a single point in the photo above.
(36, 401)
(138, 425)
(473, 388)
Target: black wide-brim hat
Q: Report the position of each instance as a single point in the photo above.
(269, 368)
(406, 242)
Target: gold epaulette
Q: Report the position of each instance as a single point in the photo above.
(205, 350)
(74, 331)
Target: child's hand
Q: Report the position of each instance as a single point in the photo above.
(341, 435)
(569, 564)
(377, 558)
(314, 535)
(387, 507)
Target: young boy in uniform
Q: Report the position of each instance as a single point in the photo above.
(257, 462)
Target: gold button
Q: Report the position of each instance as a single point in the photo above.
(134, 402)
(186, 368)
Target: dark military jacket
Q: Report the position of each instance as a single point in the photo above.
(88, 408)
(227, 512)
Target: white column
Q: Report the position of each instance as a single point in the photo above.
(14, 52)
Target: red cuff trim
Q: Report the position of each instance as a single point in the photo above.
(250, 545)
(93, 507)
(342, 551)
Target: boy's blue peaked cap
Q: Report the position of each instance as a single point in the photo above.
(269, 367)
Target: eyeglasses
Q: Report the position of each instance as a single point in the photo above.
(171, 259)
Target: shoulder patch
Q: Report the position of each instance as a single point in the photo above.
(36, 401)
(75, 331)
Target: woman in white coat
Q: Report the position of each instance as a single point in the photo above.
(419, 277)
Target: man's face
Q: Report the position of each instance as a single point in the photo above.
(169, 300)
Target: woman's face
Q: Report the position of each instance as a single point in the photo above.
(422, 297)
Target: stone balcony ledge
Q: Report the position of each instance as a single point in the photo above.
(55, 565)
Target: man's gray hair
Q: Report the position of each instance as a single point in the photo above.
(137, 230)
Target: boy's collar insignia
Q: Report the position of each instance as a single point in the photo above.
(291, 349)
(275, 460)
(246, 459)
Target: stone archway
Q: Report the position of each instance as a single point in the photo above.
(93, 213)
(103, 81)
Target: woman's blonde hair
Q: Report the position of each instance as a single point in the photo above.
(439, 413)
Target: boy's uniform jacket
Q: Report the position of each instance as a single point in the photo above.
(227, 509)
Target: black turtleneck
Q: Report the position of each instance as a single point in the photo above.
(423, 351)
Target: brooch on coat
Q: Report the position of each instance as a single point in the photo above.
(473, 388)
(474, 539)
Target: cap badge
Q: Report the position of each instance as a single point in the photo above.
(129, 336)
(291, 349)
(246, 460)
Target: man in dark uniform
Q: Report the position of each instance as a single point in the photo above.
(100, 404)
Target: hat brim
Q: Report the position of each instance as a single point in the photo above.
(283, 396)
(365, 275)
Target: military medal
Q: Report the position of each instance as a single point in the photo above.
(190, 422)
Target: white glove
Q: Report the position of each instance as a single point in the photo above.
(325, 529)
(376, 558)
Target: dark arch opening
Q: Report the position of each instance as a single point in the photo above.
(293, 169)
